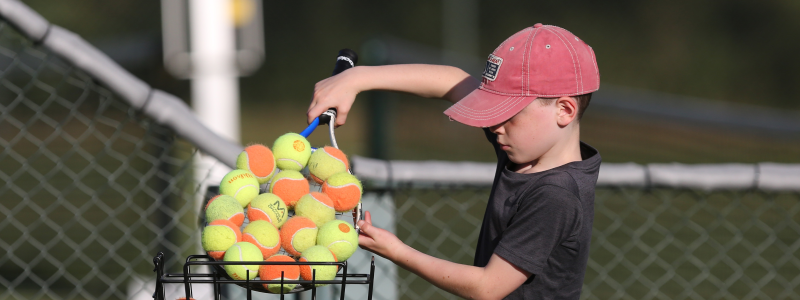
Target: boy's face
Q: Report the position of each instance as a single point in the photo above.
(528, 135)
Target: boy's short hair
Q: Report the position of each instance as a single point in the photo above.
(541, 61)
(582, 100)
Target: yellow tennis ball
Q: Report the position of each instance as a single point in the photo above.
(326, 162)
(273, 272)
(224, 207)
(218, 236)
(318, 254)
(242, 252)
(268, 207)
(344, 189)
(298, 234)
(264, 235)
(340, 237)
(257, 159)
(240, 184)
(291, 151)
(289, 185)
(316, 206)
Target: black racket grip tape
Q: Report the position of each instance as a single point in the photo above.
(345, 60)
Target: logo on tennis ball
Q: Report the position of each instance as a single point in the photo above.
(280, 212)
(240, 176)
(299, 146)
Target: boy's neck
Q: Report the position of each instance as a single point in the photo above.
(567, 150)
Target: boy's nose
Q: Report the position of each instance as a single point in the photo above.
(497, 129)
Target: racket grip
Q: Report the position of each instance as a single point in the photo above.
(345, 60)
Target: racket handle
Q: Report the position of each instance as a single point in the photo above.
(345, 60)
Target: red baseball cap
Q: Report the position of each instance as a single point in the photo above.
(539, 61)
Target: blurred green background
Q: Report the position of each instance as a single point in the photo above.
(739, 52)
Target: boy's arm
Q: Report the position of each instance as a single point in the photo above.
(495, 281)
(429, 81)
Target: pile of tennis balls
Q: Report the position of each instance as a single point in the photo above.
(312, 234)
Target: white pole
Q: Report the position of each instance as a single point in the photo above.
(215, 89)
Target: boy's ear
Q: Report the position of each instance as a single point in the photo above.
(567, 110)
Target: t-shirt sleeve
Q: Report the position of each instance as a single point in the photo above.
(545, 217)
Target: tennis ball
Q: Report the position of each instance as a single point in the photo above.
(340, 237)
(344, 190)
(242, 251)
(218, 236)
(298, 234)
(291, 151)
(289, 185)
(318, 254)
(326, 162)
(257, 159)
(273, 272)
(224, 207)
(268, 207)
(316, 206)
(240, 184)
(264, 235)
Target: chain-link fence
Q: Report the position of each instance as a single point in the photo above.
(96, 184)
(646, 243)
(92, 190)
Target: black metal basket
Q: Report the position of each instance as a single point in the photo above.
(218, 277)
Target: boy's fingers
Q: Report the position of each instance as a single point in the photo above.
(365, 225)
(341, 117)
(368, 217)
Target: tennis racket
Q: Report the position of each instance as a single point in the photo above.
(345, 60)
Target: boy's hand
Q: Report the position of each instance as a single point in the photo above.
(337, 92)
(377, 240)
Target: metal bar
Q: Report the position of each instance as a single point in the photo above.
(344, 280)
(371, 277)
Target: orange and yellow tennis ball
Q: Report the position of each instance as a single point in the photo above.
(268, 207)
(224, 207)
(273, 272)
(323, 272)
(316, 206)
(218, 236)
(326, 162)
(240, 184)
(264, 235)
(257, 159)
(344, 189)
(298, 234)
(291, 151)
(289, 185)
(340, 237)
(242, 252)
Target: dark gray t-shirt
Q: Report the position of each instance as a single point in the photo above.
(542, 223)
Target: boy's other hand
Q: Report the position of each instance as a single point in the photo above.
(377, 240)
(337, 92)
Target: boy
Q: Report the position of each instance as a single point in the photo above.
(534, 241)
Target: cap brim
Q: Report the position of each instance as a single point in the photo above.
(485, 109)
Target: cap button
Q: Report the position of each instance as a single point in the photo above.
(537, 25)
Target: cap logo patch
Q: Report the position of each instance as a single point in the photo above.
(492, 67)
